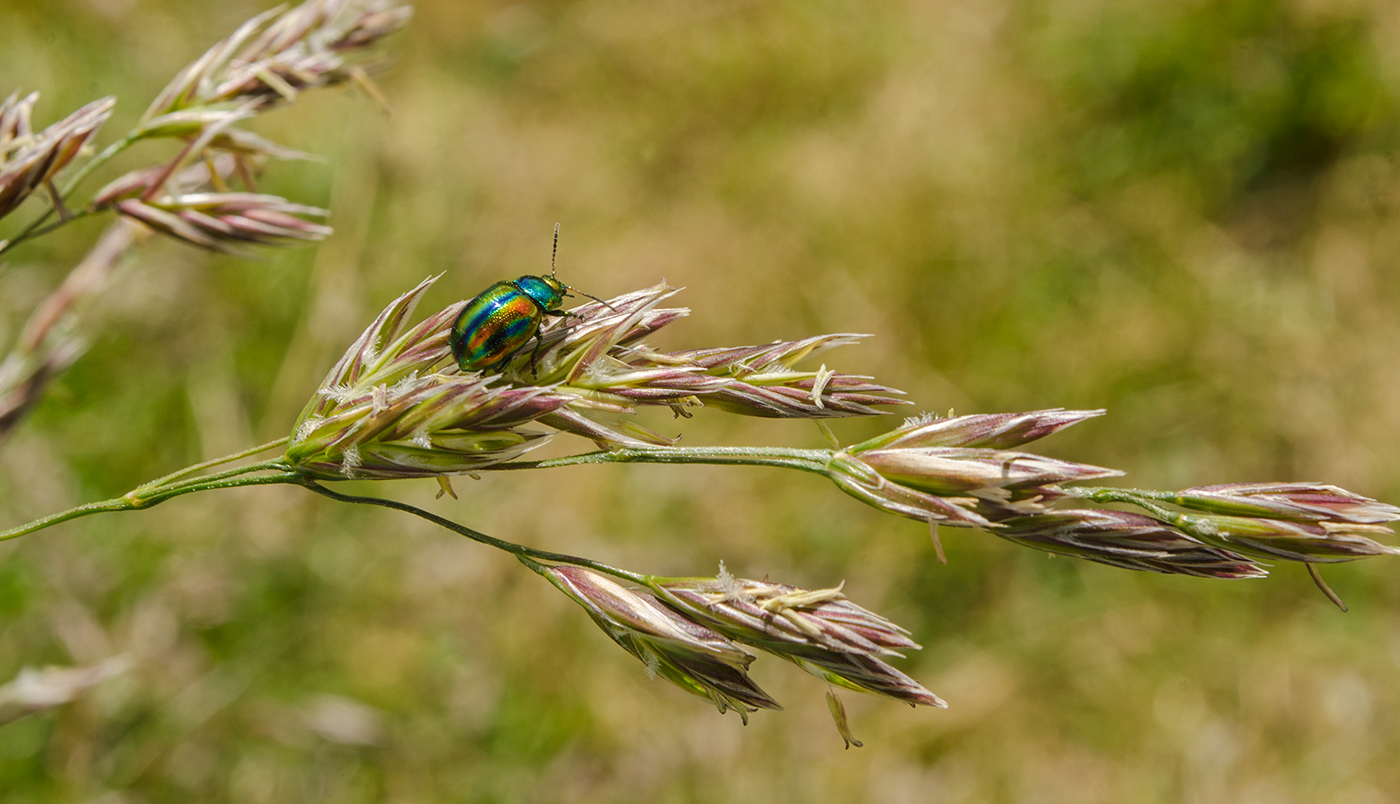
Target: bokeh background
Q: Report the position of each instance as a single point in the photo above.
(1187, 212)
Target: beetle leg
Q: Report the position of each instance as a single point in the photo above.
(534, 368)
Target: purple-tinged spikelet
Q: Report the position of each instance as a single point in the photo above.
(280, 53)
(690, 655)
(27, 160)
(819, 630)
(1298, 502)
(986, 430)
(224, 222)
(1326, 542)
(1126, 540)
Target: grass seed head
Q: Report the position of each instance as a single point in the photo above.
(1298, 502)
(27, 160)
(681, 650)
(386, 405)
(819, 630)
(1325, 542)
(860, 480)
(226, 222)
(1126, 540)
(990, 431)
(276, 55)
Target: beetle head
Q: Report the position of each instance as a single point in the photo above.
(547, 291)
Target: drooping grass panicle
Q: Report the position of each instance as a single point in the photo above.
(384, 402)
(52, 338)
(686, 653)
(270, 58)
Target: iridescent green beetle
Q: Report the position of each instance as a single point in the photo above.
(497, 324)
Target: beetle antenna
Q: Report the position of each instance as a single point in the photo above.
(594, 298)
(567, 287)
(555, 252)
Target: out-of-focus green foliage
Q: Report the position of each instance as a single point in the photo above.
(1187, 213)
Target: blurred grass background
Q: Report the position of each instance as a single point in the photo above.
(1185, 212)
